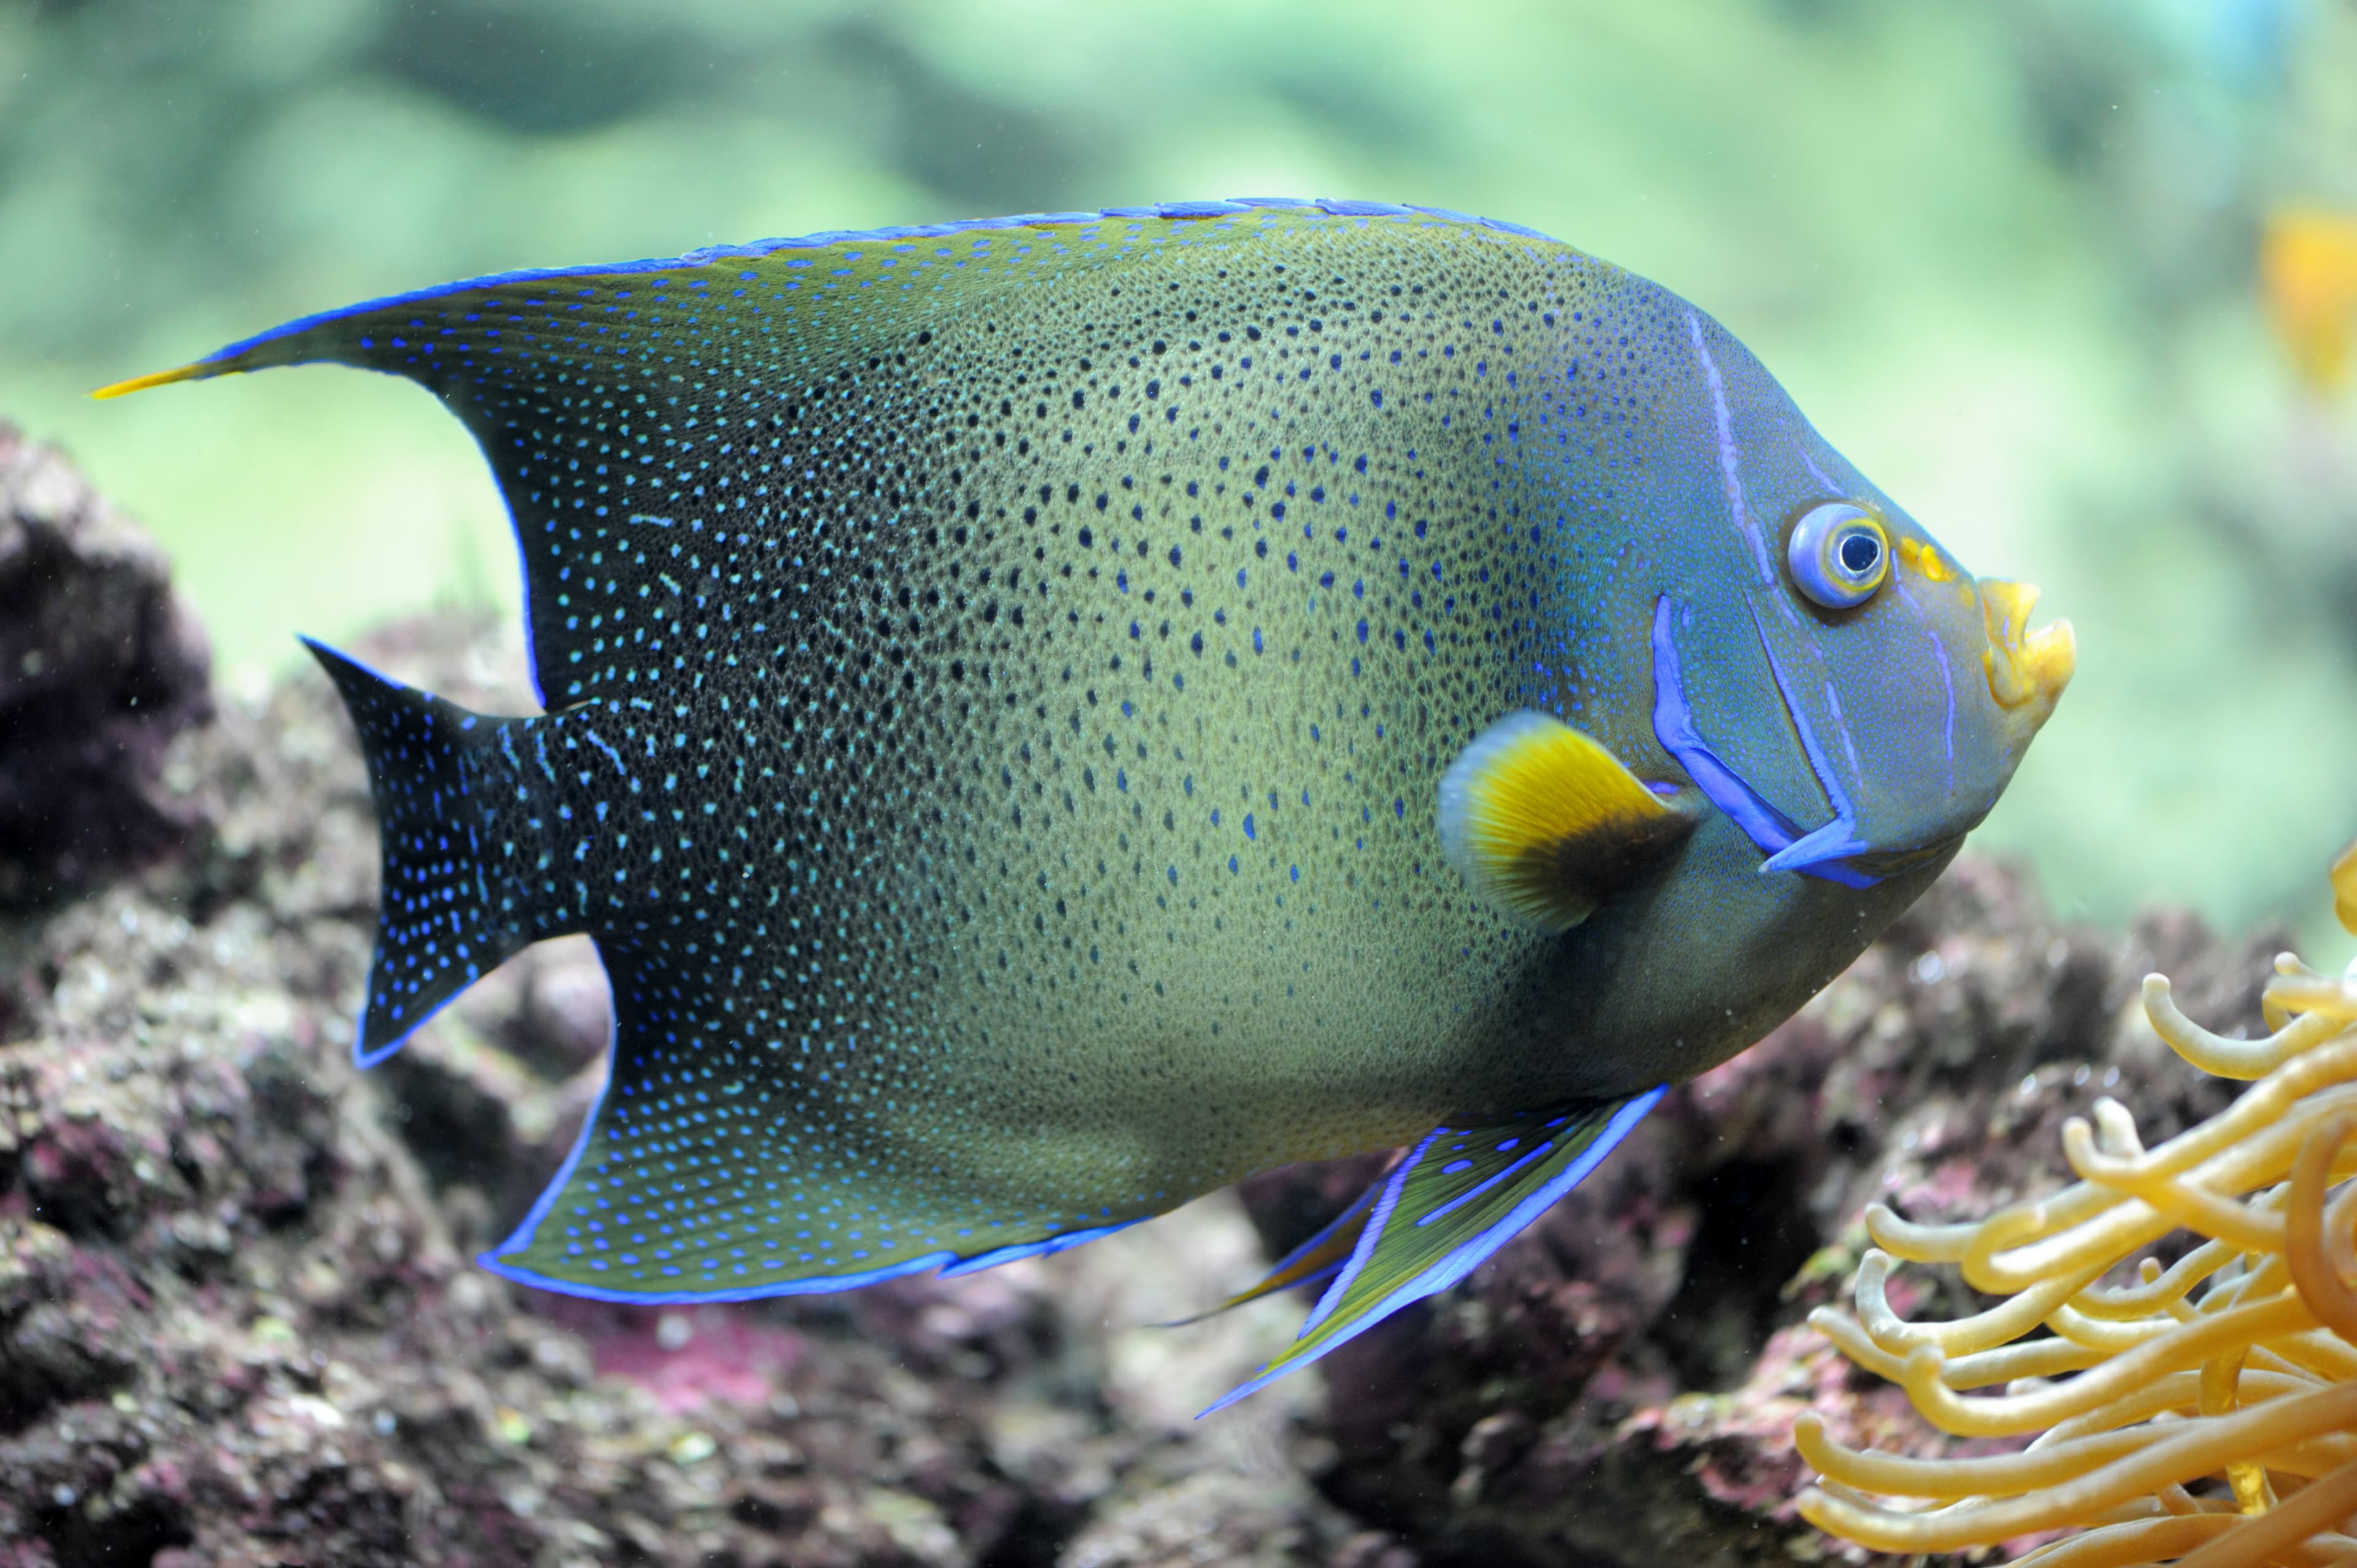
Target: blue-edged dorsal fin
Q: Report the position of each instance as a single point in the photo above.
(1460, 1195)
(639, 416)
(1546, 823)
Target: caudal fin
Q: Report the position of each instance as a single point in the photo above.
(452, 907)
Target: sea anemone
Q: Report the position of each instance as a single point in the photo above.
(2205, 1413)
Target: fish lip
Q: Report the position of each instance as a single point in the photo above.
(1822, 853)
(2026, 670)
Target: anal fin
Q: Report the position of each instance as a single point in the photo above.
(1547, 823)
(1461, 1194)
(672, 1197)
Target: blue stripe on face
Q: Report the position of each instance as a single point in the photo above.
(1729, 455)
(1837, 840)
(1818, 854)
(1947, 683)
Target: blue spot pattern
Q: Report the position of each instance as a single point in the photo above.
(892, 608)
(756, 249)
(999, 680)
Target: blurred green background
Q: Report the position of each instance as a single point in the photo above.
(2004, 254)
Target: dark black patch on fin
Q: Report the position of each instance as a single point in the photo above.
(1461, 1193)
(450, 909)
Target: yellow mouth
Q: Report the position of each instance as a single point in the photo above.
(2026, 670)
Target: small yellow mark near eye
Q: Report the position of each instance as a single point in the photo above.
(1926, 560)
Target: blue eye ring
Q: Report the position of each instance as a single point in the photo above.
(1838, 555)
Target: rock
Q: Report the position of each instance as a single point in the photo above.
(100, 666)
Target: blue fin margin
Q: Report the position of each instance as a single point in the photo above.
(756, 249)
(951, 1266)
(1459, 1260)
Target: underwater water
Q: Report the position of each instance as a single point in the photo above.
(2006, 257)
(2075, 284)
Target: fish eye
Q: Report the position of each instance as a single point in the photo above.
(1838, 555)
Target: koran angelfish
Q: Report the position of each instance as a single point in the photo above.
(1048, 716)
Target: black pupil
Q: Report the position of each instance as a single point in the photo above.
(1859, 552)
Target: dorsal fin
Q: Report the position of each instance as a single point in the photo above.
(640, 416)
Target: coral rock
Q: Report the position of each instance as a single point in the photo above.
(101, 665)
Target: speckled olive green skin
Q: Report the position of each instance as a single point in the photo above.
(1018, 664)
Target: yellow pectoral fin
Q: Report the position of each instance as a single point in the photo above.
(1546, 823)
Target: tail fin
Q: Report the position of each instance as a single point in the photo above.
(452, 906)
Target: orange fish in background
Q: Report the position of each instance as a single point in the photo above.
(2307, 268)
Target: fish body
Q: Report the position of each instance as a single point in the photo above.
(1048, 717)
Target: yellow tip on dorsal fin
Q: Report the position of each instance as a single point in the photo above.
(2344, 889)
(188, 373)
(1546, 822)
